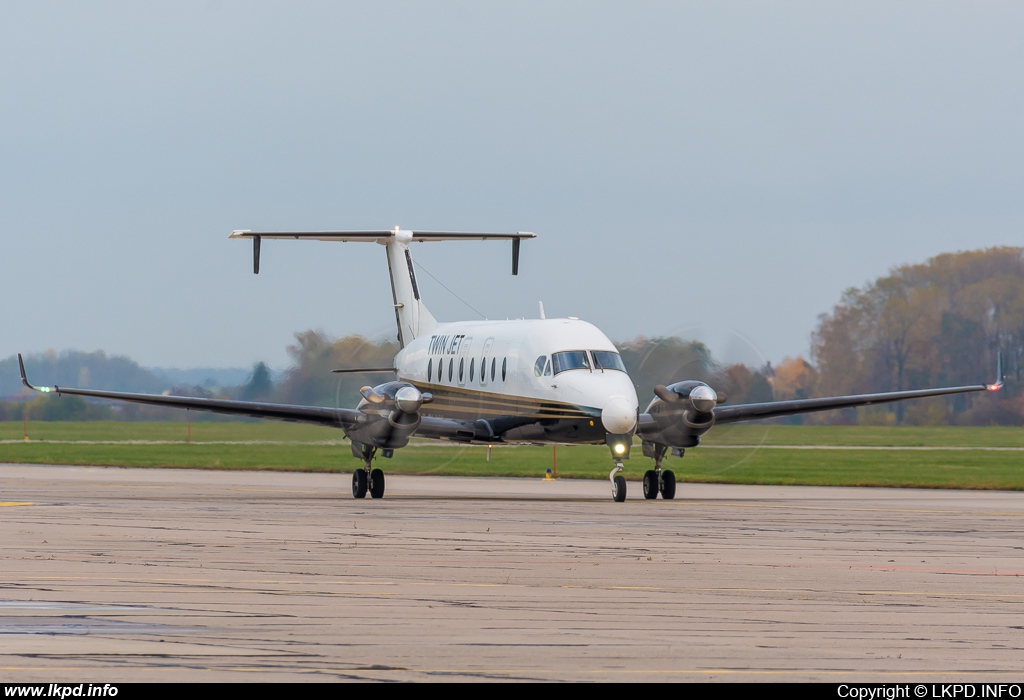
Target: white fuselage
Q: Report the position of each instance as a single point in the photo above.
(506, 373)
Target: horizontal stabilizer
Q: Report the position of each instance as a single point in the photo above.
(384, 235)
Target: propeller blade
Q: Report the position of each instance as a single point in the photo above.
(666, 395)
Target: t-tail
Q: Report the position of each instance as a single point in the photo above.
(411, 314)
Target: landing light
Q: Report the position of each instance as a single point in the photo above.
(619, 448)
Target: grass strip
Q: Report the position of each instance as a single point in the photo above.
(918, 468)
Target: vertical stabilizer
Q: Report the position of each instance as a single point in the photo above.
(411, 315)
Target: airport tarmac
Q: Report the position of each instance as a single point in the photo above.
(114, 575)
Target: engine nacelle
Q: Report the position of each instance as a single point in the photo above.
(682, 412)
(393, 409)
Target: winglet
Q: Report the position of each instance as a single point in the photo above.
(24, 379)
(21, 366)
(999, 374)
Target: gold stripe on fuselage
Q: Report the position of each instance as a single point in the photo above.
(450, 401)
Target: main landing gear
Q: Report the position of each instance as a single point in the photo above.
(657, 480)
(366, 478)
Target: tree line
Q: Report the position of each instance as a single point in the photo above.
(940, 323)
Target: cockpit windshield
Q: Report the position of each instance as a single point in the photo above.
(604, 359)
(574, 359)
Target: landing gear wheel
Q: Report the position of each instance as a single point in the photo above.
(668, 485)
(377, 483)
(619, 489)
(650, 484)
(359, 483)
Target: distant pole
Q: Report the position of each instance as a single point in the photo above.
(488, 453)
(554, 460)
(188, 416)
(24, 420)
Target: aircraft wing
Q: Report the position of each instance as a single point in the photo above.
(775, 409)
(344, 418)
(349, 420)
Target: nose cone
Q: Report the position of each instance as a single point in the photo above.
(618, 416)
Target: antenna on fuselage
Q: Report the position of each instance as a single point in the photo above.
(541, 305)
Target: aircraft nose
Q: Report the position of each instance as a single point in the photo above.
(618, 416)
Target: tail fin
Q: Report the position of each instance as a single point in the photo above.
(412, 316)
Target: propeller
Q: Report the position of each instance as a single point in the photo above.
(701, 397)
(675, 357)
(402, 395)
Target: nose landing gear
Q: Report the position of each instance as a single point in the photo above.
(619, 444)
(618, 483)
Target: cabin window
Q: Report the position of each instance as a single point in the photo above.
(538, 366)
(440, 369)
(565, 361)
(462, 366)
(604, 359)
(504, 367)
(430, 368)
(471, 363)
(451, 368)
(494, 363)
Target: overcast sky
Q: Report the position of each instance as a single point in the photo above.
(717, 169)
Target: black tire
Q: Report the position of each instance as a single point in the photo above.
(377, 483)
(650, 484)
(359, 483)
(619, 489)
(668, 485)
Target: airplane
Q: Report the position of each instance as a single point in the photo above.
(557, 380)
